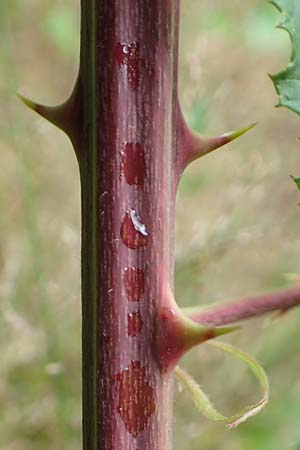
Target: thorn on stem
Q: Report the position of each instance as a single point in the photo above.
(204, 145)
(195, 145)
(67, 116)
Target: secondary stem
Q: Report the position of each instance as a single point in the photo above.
(247, 308)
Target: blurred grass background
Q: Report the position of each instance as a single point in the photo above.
(237, 224)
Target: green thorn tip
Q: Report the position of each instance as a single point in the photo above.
(225, 330)
(296, 180)
(32, 105)
(239, 132)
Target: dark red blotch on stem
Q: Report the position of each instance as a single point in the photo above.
(134, 324)
(130, 56)
(133, 232)
(135, 398)
(133, 165)
(134, 282)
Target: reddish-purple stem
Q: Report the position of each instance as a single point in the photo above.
(127, 75)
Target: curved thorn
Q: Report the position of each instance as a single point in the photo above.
(176, 334)
(296, 180)
(32, 105)
(54, 114)
(67, 116)
(239, 132)
(195, 145)
(203, 145)
(220, 331)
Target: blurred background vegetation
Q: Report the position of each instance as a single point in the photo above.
(237, 224)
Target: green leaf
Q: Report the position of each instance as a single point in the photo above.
(287, 82)
(204, 404)
(201, 400)
(296, 180)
